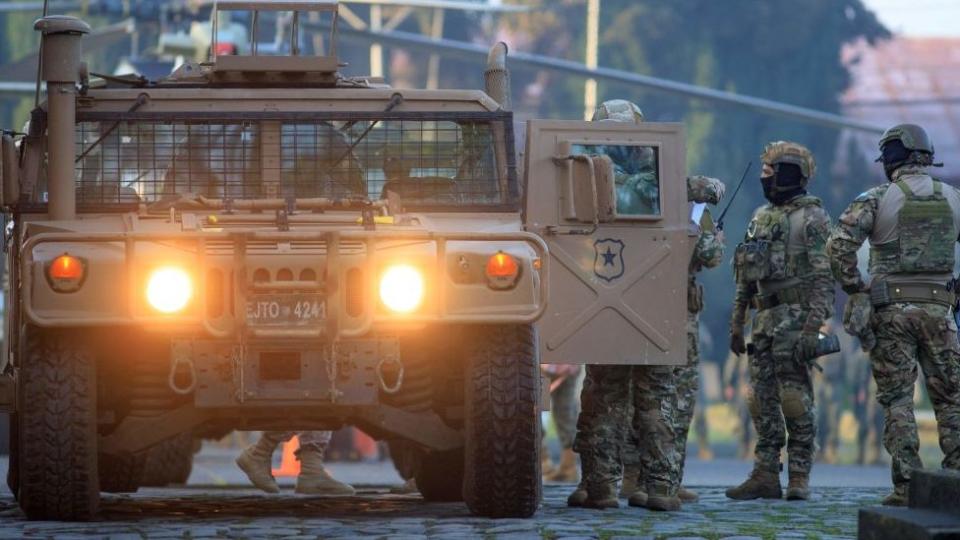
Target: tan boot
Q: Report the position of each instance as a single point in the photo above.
(762, 484)
(601, 497)
(256, 462)
(408, 487)
(630, 484)
(687, 496)
(638, 498)
(314, 478)
(578, 497)
(799, 487)
(566, 471)
(661, 498)
(898, 497)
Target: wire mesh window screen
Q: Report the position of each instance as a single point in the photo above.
(425, 162)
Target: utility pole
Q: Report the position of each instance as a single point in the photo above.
(376, 50)
(593, 38)
(433, 64)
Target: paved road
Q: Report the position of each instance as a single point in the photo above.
(217, 505)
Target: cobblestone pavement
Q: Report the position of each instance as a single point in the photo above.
(211, 512)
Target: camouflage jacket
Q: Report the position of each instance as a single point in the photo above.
(709, 249)
(814, 273)
(856, 225)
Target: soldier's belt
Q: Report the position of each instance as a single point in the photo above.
(884, 293)
(770, 301)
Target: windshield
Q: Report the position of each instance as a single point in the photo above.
(437, 162)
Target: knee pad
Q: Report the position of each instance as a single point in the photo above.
(792, 403)
(753, 405)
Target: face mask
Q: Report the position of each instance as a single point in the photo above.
(893, 155)
(786, 183)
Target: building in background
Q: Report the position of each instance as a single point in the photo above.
(905, 79)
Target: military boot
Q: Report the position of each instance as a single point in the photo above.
(408, 487)
(799, 487)
(578, 497)
(601, 496)
(898, 497)
(631, 481)
(761, 484)
(660, 498)
(257, 461)
(314, 478)
(566, 470)
(687, 496)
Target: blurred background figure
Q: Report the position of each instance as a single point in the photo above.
(565, 383)
(736, 391)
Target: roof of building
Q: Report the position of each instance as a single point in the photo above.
(906, 80)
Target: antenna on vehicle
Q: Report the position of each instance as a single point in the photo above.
(36, 95)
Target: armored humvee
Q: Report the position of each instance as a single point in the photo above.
(261, 243)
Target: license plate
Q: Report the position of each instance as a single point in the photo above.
(285, 309)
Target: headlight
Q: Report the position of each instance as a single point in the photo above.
(401, 288)
(169, 289)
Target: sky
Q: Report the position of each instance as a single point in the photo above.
(919, 18)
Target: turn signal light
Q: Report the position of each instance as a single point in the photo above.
(66, 273)
(502, 271)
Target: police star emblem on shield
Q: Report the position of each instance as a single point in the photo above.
(608, 259)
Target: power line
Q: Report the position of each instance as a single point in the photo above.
(803, 114)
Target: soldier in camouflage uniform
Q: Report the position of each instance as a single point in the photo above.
(606, 400)
(783, 272)
(707, 253)
(903, 314)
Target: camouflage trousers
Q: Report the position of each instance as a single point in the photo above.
(909, 335)
(618, 400)
(316, 440)
(781, 403)
(564, 408)
(686, 378)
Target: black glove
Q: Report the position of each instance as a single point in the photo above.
(806, 349)
(737, 344)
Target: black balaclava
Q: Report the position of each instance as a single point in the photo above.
(893, 155)
(786, 183)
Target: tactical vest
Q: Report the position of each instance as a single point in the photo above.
(926, 236)
(766, 254)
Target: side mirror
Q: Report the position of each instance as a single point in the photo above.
(587, 190)
(9, 172)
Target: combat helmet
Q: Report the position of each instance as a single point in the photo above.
(618, 110)
(912, 136)
(905, 144)
(792, 153)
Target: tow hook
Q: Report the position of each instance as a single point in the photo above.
(183, 374)
(390, 368)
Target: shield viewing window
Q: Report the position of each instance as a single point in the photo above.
(636, 176)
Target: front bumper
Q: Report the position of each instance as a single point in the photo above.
(335, 254)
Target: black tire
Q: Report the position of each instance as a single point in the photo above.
(503, 423)
(13, 464)
(121, 474)
(58, 428)
(440, 476)
(169, 462)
